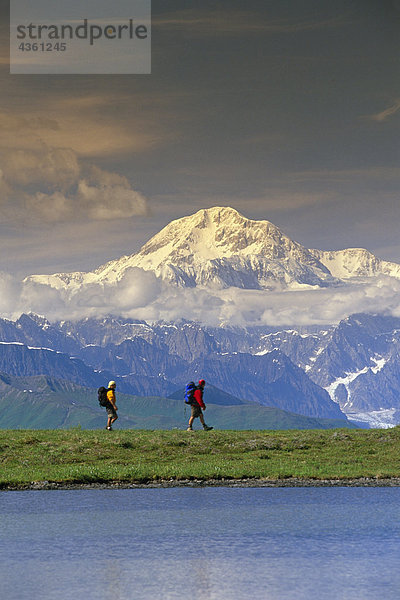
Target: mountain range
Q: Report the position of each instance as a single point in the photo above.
(160, 367)
(350, 370)
(220, 248)
(347, 370)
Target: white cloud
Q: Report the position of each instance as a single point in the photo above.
(10, 293)
(110, 196)
(234, 306)
(44, 169)
(50, 207)
(34, 298)
(47, 166)
(140, 294)
(135, 291)
(47, 185)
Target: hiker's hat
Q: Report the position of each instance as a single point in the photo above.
(202, 382)
(111, 384)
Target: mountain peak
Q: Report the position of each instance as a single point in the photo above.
(214, 233)
(219, 246)
(216, 247)
(219, 214)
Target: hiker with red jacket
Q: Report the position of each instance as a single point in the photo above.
(198, 406)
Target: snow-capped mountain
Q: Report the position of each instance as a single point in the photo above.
(356, 361)
(352, 367)
(214, 247)
(219, 248)
(355, 262)
(176, 354)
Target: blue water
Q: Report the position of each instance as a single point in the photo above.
(202, 543)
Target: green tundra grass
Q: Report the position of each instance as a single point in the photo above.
(79, 456)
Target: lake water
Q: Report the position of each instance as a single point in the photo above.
(201, 543)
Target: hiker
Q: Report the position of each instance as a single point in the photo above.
(198, 406)
(111, 406)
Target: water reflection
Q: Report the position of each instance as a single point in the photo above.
(205, 544)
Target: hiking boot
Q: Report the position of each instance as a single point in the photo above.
(207, 428)
(109, 428)
(189, 429)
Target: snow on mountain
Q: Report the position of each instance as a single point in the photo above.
(214, 247)
(376, 419)
(355, 262)
(219, 248)
(354, 365)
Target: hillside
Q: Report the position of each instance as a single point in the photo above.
(44, 403)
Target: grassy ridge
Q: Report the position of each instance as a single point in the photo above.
(47, 408)
(78, 456)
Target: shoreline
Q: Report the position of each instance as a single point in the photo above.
(76, 459)
(199, 483)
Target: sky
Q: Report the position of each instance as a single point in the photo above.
(287, 110)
